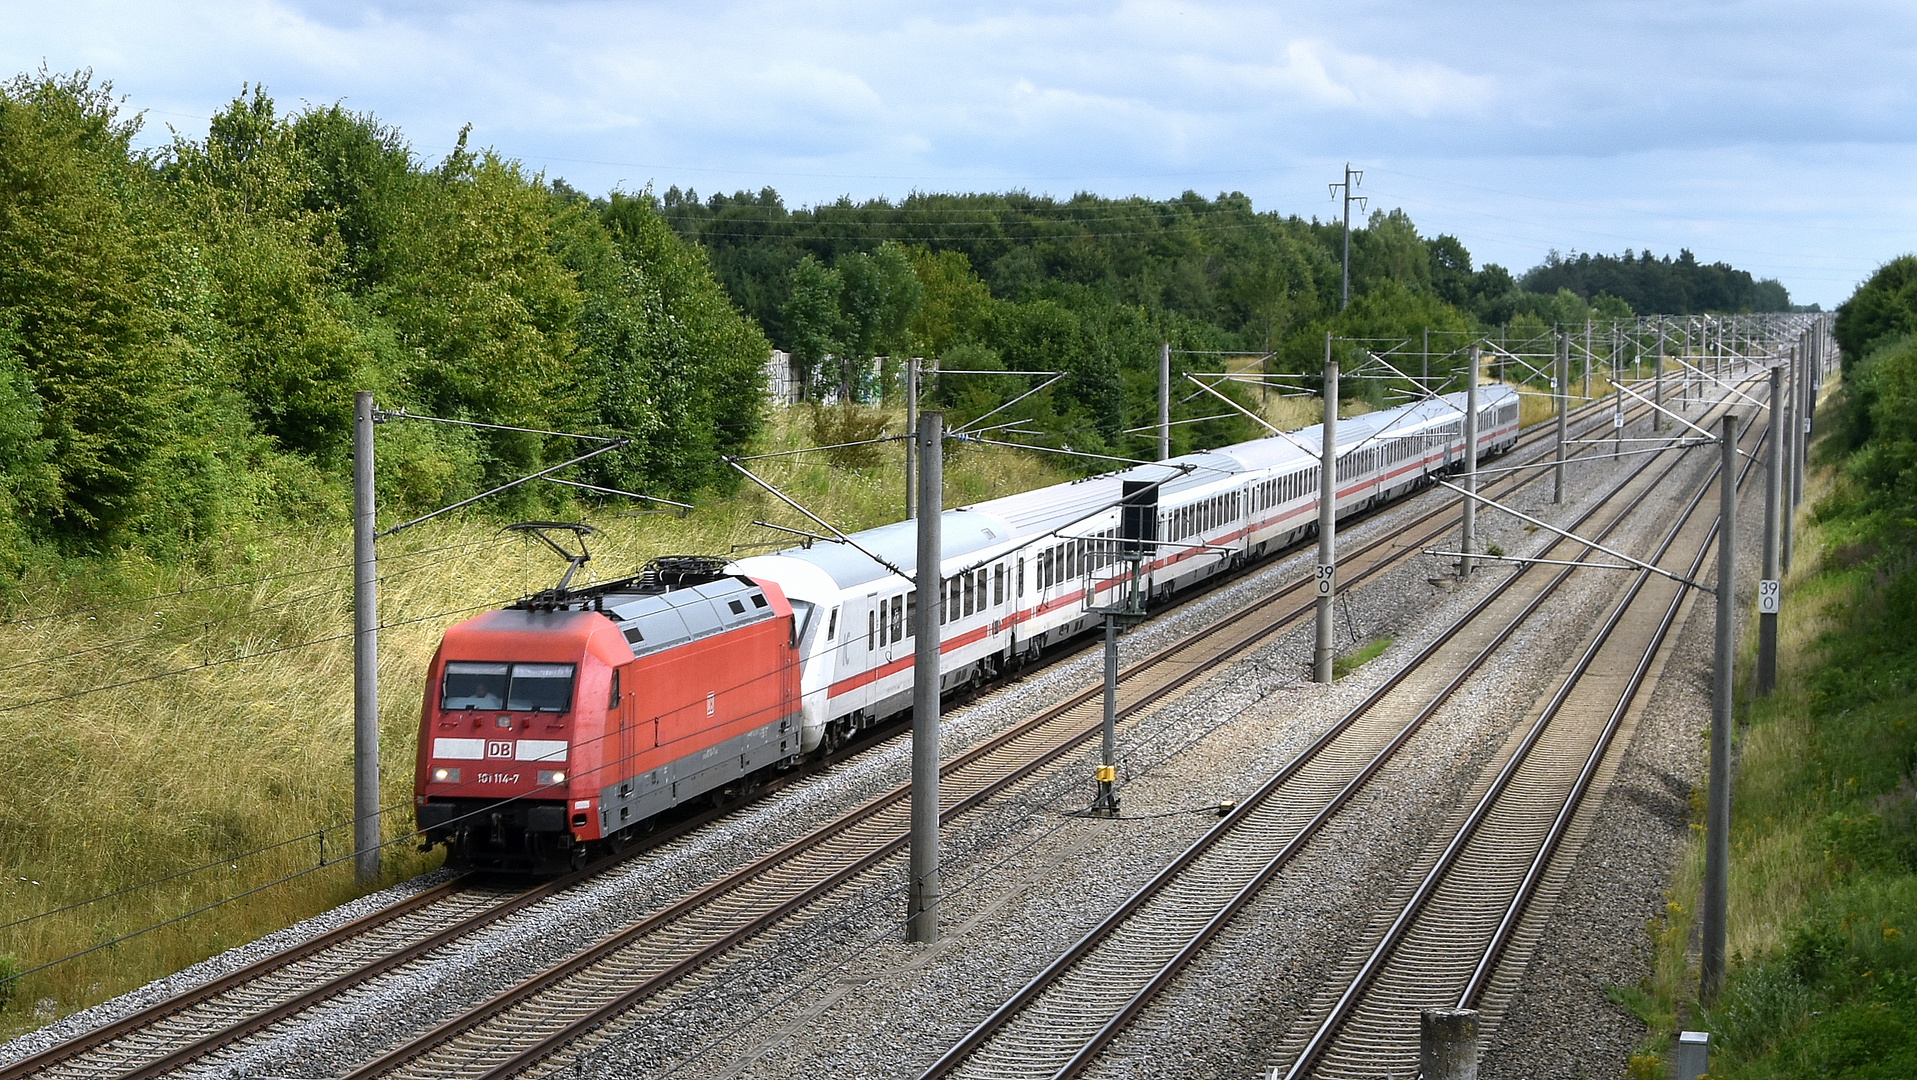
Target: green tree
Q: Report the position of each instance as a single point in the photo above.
(696, 362)
(879, 293)
(75, 278)
(29, 483)
(1389, 249)
(813, 320)
(290, 352)
(483, 311)
(1882, 308)
(359, 178)
(955, 305)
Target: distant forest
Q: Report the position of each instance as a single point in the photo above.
(182, 329)
(1206, 273)
(1666, 286)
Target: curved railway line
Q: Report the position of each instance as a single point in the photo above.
(542, 1016)
(1061, 1021)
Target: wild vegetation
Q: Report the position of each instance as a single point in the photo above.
(181, 334)
(1026, 279)
(1823, 905)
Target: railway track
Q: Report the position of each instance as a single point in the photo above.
(551, 1018)
(246, 1004)
(1057, 1025)
(1443, 944)
(167, 1035)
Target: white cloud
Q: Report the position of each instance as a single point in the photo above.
(1741, 113)
(1327, 75)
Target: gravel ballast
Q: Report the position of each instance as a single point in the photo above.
(837, 991)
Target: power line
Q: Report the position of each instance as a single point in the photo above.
(702, 234)
(208, 623)
(111, 605)
(234, 659)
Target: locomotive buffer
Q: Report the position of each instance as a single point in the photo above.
(1138, 533)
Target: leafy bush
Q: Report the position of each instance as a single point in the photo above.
(10, 969)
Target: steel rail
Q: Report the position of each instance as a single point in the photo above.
(583, 962)
(49, 1062)
(148, 1017)
(1417, 906)
(106, 1033)
(1040, 984)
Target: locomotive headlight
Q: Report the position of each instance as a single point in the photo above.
(446, 775)
(549, 777)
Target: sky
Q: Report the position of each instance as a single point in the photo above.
(1778, 137)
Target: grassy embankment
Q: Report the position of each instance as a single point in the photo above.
(122, 776)
(1823, 900)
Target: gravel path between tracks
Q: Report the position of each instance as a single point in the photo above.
(839, 991)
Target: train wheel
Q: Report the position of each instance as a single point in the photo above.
(837, 734)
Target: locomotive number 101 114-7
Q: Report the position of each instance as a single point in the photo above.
(499, 777)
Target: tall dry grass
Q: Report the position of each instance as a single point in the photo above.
(180, 736)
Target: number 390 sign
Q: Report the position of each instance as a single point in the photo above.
(1768, 595)
(1327, 573)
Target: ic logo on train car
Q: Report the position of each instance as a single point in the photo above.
(499, 748)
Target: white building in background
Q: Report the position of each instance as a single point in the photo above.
(782, 385)
(781, 381)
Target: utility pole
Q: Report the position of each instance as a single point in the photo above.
(1808, 397)
(1468, 524)
(911, 433)
(1585, 363)
(1561, 384)
(1327, 520)
(922, 903)
(1353, 178)
(1106, 802)
(365, 651)
(1137, 528)
(1426, 372)
(1769, 588)
(1164, 401)
(1617, 389)
(1657, 380)
(1717, 825)
(1791, 436)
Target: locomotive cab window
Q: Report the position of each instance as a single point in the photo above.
(514, 687)
(540, 688)
(474, 686)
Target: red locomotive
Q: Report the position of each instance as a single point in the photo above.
(562, 719)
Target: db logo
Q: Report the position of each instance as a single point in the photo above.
(499, 749)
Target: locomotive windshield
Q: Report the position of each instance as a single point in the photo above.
(517, 687)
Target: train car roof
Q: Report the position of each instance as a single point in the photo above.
(1044, 510)
(963, 531)
(994, 522)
